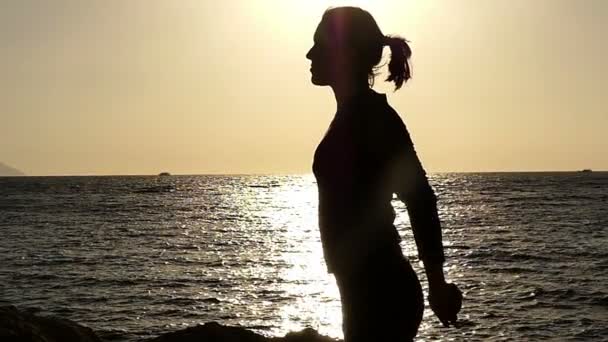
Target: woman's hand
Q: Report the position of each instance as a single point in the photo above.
(445, 300)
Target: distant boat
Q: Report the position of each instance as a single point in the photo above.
(586, 171)
(164, 174)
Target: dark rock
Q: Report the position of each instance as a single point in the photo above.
(19, 326)
(214, 332)
(306, 335)
(210, 332)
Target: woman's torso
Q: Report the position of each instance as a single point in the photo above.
(351, 165)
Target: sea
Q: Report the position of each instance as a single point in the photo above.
(136, 256)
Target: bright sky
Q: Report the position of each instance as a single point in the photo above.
(196, 86)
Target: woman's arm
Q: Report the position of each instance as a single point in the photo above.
(412, 187)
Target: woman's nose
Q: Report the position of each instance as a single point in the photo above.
(309, 53)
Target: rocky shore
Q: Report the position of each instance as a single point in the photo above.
(20, 326)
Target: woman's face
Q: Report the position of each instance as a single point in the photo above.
(329, 57)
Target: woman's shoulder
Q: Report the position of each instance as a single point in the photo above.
(379, 126)
(384, 120)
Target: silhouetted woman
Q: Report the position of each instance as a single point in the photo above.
(365, 156)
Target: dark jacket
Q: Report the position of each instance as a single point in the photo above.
(364, 158)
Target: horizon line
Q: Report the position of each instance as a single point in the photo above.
(278, 173)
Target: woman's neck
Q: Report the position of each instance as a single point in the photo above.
(347, 91)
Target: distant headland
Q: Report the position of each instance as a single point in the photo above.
(6, 170)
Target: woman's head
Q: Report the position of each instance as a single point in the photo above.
(348, 46)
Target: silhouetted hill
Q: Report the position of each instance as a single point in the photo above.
(6, 170)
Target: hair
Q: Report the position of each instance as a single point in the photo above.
(357, 29)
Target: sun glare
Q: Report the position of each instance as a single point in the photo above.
(373, 6)
(298, 19)
(366, 4)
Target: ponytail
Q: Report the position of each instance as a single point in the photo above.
(398, 67)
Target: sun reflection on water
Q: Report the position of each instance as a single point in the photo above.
(314, 298)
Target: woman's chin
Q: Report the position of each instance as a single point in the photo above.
(317, 81)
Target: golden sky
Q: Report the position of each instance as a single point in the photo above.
(197, 86)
